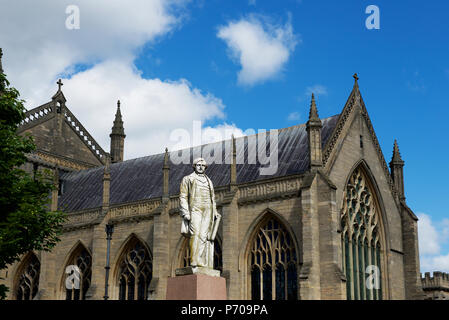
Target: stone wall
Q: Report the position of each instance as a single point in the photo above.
(436, 287)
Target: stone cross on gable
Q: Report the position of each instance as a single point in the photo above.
(60, 84)
(355, 77)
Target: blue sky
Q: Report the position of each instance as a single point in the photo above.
(403, 69)
(186, 53)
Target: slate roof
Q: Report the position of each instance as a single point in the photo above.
(141, 178)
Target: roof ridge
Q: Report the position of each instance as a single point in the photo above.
(224, 140)
(341, 122)
(86, 136)
(39, 113)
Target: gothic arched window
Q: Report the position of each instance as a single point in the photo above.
(273, 263)
(83, 260)
(135, 272)
(361, 240)
(218, 259)
(28, 281)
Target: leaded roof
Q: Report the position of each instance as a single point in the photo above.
(141, 178)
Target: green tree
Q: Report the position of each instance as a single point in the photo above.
(26, 223)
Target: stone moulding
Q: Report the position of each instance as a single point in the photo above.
(45, 112)
(379, 151)
(338, 129)
(347, 110)
(269, 191)
(62, 162)
(134, 210)
(139, 218)
(84, 135)
(82, 220)
(123, 213)
(267, 197)
(84, 216)
(36, 116)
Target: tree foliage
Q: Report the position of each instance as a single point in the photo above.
(26, 223)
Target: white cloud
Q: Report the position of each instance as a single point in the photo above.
(432, 238)
(428, 236)
(317, 90)
(435, 263)
(261, 48)
(151, 108)
(38, 46)
(38, 49)
(445, 229)
(294, 116)
(222, 132)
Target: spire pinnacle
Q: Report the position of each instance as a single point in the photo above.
(314, 119)
(106, 183)
(396, 170)
(118, 113)
(313, 114)
(233, 173)
(396, 154)
(313, 127)
(118, 122)
(117, 137)
(107, 170)
(166, 159)
(165, 173)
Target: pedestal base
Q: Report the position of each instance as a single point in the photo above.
(197, 270)
(196, 287)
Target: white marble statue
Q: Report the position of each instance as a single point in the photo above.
(199, 214)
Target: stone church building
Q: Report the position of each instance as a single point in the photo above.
(331, 223)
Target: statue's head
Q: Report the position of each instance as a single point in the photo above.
(199, 165)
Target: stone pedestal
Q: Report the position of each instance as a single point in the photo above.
(196, 284)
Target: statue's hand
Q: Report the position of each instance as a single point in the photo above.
(187, 217)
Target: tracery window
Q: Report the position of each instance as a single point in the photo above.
(273, 263)
(28, 283)
(135, 272)
(83, 260)
(218, 260)
(361, 240)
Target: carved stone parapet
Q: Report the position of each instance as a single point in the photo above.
(81, 220)
(134, 211)
(269, 190)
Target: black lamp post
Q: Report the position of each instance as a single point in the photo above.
(109, 230)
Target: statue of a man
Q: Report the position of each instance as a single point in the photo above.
(199, 214)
